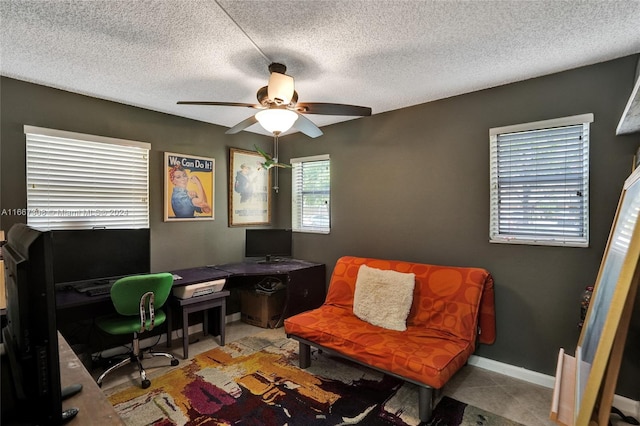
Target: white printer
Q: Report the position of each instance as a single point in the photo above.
(198, 289)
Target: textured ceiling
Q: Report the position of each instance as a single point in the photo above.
(382, 54)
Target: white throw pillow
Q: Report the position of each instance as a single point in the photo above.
(383, 297)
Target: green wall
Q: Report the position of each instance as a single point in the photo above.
(175, 245)
(409, 184)
(413, 184)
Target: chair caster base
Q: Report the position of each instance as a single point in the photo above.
(174, 362)
(146, 384)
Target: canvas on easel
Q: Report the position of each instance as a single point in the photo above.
(585, 383)
(611, 375)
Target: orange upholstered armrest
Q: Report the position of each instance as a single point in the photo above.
(487, 320)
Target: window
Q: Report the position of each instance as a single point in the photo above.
(311, 194)
(78, 181)
(540, 182)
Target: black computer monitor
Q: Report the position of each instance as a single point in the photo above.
(91, 254)
(268, 244)
(31, 336)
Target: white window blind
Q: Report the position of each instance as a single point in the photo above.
(540, 182)
(311, 194)
(79, 181)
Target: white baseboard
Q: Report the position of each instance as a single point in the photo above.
(624, 404)
(512, 371)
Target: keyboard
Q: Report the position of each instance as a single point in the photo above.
(99, 290)
(93, 288)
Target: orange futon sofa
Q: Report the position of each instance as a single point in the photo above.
(451, 309)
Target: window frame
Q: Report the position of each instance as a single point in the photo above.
(495, 235)
(298, 195)
(62, 205)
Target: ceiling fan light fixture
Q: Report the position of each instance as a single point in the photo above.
(276, 120)
(280, 89)
(279, 102)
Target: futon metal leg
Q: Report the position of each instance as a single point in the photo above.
(304, 355)
(425, 403)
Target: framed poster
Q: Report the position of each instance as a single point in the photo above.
(188, 187)
(249, 183)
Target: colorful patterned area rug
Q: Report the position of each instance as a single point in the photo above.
(256, 381)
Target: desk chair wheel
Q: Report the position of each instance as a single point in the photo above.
(174, 362)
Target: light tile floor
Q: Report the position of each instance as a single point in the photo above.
(509, 397)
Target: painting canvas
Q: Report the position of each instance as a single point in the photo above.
(249, 183)
(188, 187)
(585, 384)
(615, 288)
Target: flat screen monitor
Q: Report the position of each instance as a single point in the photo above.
(91, 254)
(269, 244)
(30, 336)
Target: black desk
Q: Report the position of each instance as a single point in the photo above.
(75, 311)
(72, 305)
(305, 281)
(305, 289)
(70, 299)
(198, 275)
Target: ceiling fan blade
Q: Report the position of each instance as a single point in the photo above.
(332, 109)
(307, 127)
(242, 125)
(240, 104)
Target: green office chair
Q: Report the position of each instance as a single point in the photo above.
(137, 300)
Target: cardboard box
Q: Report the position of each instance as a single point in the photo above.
(262, 310)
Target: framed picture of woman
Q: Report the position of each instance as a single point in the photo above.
(249, 183)
(188, 187)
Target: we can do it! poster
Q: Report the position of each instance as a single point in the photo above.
(189, 185)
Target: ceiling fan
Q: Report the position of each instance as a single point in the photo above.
(280, 109)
